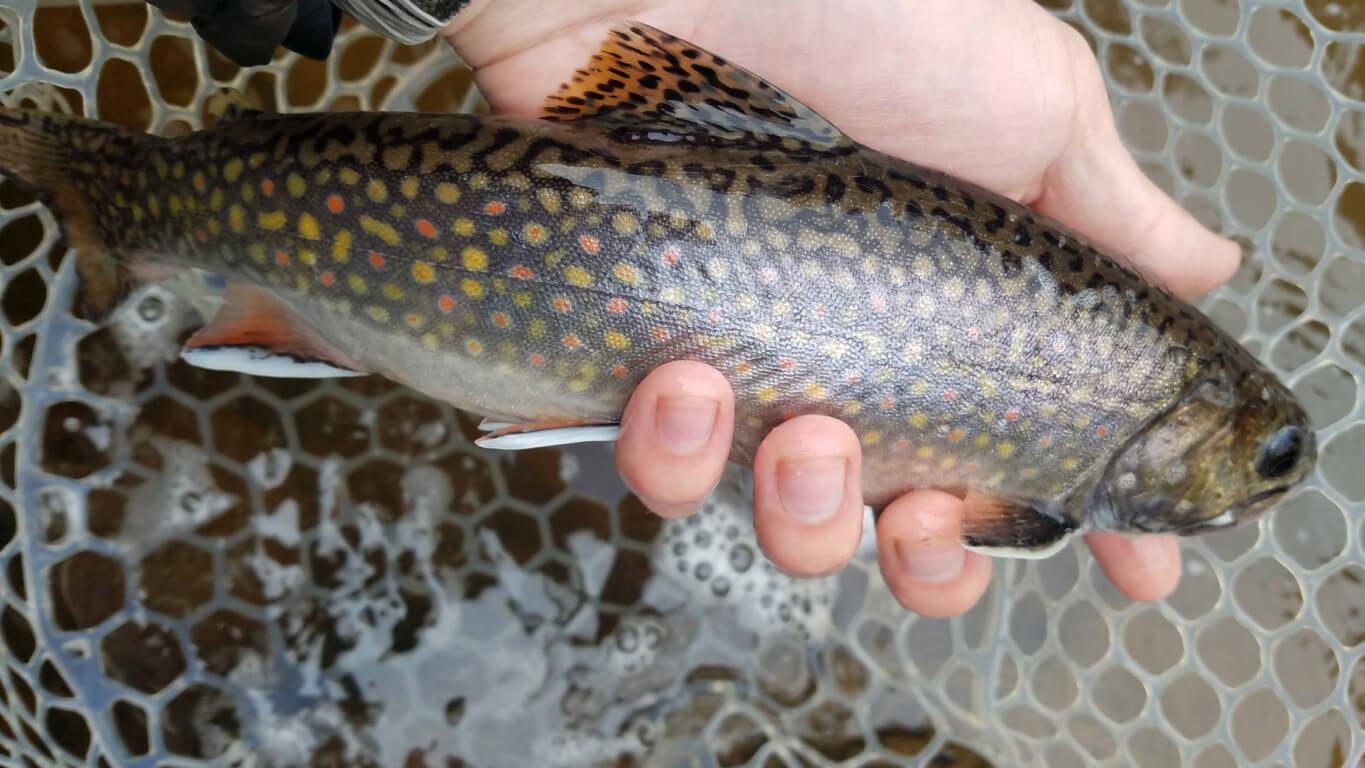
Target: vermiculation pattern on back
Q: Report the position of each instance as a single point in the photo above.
(541, 269)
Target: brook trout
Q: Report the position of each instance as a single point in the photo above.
(670, 205)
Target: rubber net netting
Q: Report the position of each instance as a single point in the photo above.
(205, 568)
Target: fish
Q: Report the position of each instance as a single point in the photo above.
(668, 204)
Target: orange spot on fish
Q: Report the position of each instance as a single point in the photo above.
(335, 204)
(767, 275)
(671, 256)
(619, 371)
(974, 333)
(200, 182)
(956, 435)
(561, 304)
(971, 467)
(888, 403)
(902, 444)
(659, 333)
(535, 233)
(853, 377)
(268, 187)
(474, 346)
(414, 320)
(789, 415)
(501, 320)
(521, 272)
(201, 234)
(426, 228)
(820, 311)
(744, 367)
(589, 244)
(327, 278)
(1045, 441)
(1102, 431)
(878, 303)
(494, 208)
(713, 316)
(445, 304)
(1011, 415)
(376, 260)
(537, 360)
(950, 395)
(281, 258)
(787, 364)
(571, 341)
(616, 306)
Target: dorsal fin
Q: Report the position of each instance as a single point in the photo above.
(644, 77)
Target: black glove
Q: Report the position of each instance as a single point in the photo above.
(248, 31)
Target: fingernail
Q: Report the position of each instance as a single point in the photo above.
(811, 490)
(684, 424)
(931, 561)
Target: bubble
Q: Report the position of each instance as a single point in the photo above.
(703, 571)
(151, 309)
(720, 587)
(741, 557)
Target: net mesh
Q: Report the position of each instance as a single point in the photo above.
(207, 568)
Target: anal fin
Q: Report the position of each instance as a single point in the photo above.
(1001, 527)
(255, 334)
(519, 437)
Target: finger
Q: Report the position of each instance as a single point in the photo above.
(675, 436)
(1145, 568)
(1096, 188)
(808, 499)
(921, 558)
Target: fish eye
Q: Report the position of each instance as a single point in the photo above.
(1280, 453)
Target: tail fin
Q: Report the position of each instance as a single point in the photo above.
(56, 156)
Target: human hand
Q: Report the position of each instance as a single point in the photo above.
(997, 92)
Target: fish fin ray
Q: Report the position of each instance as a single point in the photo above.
(36, 151)
(518, 437)
(254, 333)
(643, 78)
(1003, 527)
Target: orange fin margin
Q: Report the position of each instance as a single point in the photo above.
(644, 76)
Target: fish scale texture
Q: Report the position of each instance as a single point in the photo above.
(206, 568)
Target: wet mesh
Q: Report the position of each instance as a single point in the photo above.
(205, 568)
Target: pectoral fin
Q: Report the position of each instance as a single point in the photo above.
(518, 437)
(255, 334)
(1002, 527)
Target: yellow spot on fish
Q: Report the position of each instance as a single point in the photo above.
(1006, 450)
(430, 341)
(296, 185)
(173, 203)
(579, 198)
(178, 170)
(423, 272)
(872, 438)
(410, 187)
(577, 276)
(616, 340)
(982, 441)
(236, 217)
(918, 420)
(447, 193)
(341, 245)
(767, 395)
(257, 253)
(626, 273)
(1082, 421)
(672, 294)
(537, 328)
(349, 176)
(1070, 462)
(498, 237)
(308, 226)
(464, 227)
(392, 292)
(272, 220)
(549, 200)
(925, 451)
(705, 232)
(625, 223)
(474, 259)
(382, 230)
(816, 392)
(357, 283)
(216, 200)
(472, 288)
(307, 257)
(378, 314)
(232, 170)
(377, 191)
(922, 265)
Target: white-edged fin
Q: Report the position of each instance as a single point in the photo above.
(488, 425)
(1020, 553)
(522, 438)
(259, 361)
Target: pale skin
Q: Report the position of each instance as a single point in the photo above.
(997, 92)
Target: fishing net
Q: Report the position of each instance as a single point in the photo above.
(205, 568)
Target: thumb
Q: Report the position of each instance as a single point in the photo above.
(1096, 188)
